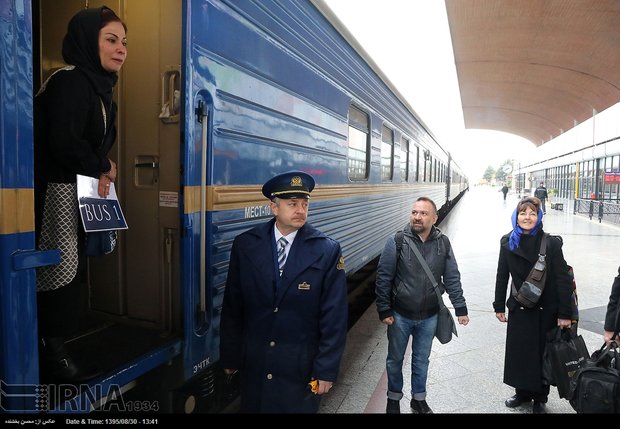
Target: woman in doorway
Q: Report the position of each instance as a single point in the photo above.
(527, 327)
(74, 131)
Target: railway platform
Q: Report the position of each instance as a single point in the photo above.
(465, 375)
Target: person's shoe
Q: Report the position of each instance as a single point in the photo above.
(539, 408)
(57, 366)
(516, 400)
(420, 407)
(393, 406)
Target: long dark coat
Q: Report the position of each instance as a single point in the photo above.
(612, 322)
(527, 327)
(280, 340)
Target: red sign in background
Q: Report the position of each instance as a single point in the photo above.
(612, 177)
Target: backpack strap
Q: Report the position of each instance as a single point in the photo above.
(399, 237)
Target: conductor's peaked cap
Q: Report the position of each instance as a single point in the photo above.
(292, 184)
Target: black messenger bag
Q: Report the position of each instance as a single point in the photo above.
(532, 287)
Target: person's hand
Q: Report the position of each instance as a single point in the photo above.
(112, 173)
(388, 320)
(463, 320)
(105, 179)
(564, 323)
(324, 387)
(104, 186)
(607, 337)
(501, 317)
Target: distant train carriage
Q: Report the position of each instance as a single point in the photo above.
(216, 96)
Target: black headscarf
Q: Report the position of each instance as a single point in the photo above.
(80, 48)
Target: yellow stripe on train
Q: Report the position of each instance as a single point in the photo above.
(237, 197)
(16, 210)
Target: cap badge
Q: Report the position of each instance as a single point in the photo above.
(296, 181)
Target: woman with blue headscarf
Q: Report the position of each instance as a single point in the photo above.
(527, 327)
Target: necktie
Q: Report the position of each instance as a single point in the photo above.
(282, 242)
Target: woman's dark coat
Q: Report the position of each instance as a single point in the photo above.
(527, 327)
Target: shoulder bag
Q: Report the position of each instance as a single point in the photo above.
(532, 287)
(445, 323)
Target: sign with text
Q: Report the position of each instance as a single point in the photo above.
(612, 177)
(98, 214)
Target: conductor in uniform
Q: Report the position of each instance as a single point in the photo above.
(284, 317)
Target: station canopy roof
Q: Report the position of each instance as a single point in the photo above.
(535, 68)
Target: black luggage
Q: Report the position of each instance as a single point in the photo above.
(595, 387)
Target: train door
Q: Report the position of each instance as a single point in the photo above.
(137, 284)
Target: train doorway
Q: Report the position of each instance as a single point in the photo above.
(138, 284)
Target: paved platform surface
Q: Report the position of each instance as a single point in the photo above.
(465, 376)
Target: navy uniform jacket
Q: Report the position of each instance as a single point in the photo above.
(280, 341)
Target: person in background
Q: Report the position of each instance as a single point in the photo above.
(74, 117)
(407, 302)
(285, 312)
(527, 327)
(505, 191)
(541, 194)
(612, 316)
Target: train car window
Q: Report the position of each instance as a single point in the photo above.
(359, 141)
(404, 160)
(428, 176)
(387, 154)
(416, 163)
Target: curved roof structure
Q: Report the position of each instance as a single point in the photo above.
(535, 68)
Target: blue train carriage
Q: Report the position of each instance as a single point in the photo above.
(456, 184)
(214, 98)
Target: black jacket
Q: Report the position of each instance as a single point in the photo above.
(69, 129)
(402, 283)
(612, 323)
(541, 192)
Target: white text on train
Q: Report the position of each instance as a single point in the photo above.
(257, 211)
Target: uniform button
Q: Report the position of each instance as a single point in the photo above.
(272, 343)
(275, 310)
(269, 376)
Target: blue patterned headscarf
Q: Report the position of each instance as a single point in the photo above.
(517, 231)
